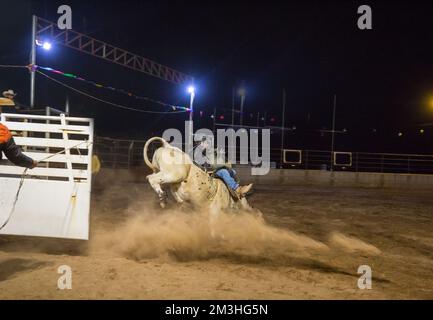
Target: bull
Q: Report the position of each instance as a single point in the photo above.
(188, 182)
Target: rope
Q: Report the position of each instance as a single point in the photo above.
(213, 188)
(24, 174)
(66, 149)
(16, 199)
(107, 102)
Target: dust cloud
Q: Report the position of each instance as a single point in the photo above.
(174, 234)
(351, 245)
(144, 231)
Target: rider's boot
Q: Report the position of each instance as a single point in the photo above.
(241, 191)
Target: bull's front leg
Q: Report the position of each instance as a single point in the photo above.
(155, 181)
(175, 192)
(214, 214)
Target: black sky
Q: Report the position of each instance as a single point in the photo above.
(382, 77)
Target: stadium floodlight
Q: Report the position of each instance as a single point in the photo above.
(191, 90)
(242, 92)
(46, 45)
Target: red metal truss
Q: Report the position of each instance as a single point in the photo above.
(89, 45)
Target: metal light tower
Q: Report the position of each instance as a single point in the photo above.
(46, 29)
(86, 44)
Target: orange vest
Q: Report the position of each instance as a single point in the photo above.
(5, 134)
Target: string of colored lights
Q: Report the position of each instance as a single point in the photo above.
(98, 85)
(107, 102)
(11, 66)
(220, 117)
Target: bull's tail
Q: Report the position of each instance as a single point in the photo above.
(146, 146)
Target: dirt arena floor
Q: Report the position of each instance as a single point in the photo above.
(309, 246)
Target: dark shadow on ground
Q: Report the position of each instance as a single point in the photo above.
(273, 261)
(52, 246)
(10, 267)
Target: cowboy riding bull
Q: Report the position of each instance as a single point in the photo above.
(190, 183)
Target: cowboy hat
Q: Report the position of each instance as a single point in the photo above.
(9, 93)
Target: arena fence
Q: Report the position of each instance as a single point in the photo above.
(118, 153)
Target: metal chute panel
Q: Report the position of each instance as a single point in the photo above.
(54, 198)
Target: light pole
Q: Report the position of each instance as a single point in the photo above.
(190, 134)
(333, 133)
(242, 93)
(191, 91)
(282, 129)
(33, 63)
(233, 106)
(46, 45)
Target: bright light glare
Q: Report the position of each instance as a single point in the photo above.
(191, 89)
(46, 45)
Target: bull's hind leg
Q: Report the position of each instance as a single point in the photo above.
(155, 181)
(158, 179)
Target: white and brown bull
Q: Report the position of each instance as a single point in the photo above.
(189, 183)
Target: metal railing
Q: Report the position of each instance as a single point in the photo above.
(365, 162)
(118, 153)
(122, 153)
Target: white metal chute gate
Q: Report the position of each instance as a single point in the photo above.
(54, 199)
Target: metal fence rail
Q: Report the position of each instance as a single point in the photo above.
(118, 153)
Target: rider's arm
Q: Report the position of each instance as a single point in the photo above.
(15, 155)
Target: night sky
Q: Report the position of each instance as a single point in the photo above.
(383, 77)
